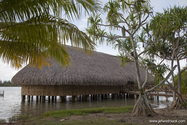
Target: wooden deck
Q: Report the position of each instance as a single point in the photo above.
(132, 89)
(153, 93)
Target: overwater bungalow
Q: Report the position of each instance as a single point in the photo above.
(94, 74)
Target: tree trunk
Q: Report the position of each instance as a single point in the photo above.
(179, 76)
(142, 107)
(179, 102)
(174, 93)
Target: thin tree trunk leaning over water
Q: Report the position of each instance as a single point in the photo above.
(142, 106)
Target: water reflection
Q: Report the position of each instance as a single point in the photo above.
(11, 104)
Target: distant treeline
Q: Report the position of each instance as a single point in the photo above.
(5, 83)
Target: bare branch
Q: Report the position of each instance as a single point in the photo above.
(146, 76)
(125, 20)
(111, 37)
(128, 4)
(117, 26)
(183, 69)
(141, 23)
(163, 81)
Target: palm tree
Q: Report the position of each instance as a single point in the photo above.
(32, 32)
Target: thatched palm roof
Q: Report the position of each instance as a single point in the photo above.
(97, 69)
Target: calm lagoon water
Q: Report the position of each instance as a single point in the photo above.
(11, 104)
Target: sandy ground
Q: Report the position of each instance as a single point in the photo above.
(163, 117)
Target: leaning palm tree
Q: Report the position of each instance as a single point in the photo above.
(32, 32)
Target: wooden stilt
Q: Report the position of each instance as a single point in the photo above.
(135, 96)
(166, 98)
(40, 98)
(120, 95)
(73, 98)
(116, 95)
(32, 98)
(131, 96)
(151, 97)
(157, 95)
(36, 98)
(28, 98)
(95, 97)
(99, 97)
(23, 97)
(102, 96)
(52, 98)
(106, 96)
(83, 97)
(49, 99)
(88, 97)
(76, 98)
(55, 98)
(113, 96)
(62, 98)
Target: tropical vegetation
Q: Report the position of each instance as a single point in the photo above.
(5, 83)
(34, 31)
(129, 28)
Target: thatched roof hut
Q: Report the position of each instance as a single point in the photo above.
(97, 69)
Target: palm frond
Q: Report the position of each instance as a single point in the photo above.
(28, 33)
(45, 35)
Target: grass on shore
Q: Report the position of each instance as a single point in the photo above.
(86, 111)
(64, 113)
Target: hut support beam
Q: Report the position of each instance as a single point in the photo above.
(135, 96)
(42, 99)
(73, 98)
(32, 98)
(95, 97)
(23, 97)
(62, 98)
(55, 98)
(105, 96)
(113, 96)
(28, 98)
(52, 98)
(49, 98)
(131, 95)
(36, 98)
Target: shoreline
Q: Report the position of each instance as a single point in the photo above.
(164, 116)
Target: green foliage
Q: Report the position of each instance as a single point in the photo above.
(184, 81)
(5, 83)
(124, 59)
(184, 104)
(112, 8)
(2, 121)
(117, 20)
(30, 34)
(170, 24)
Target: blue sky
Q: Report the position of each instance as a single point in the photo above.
(7, 72)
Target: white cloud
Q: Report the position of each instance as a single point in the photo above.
(6, 71)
